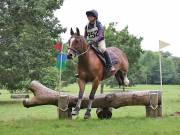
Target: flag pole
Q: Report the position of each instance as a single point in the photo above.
(60, 72)
(60, 69)
(60, 78)
(160, 69)
(162, 44)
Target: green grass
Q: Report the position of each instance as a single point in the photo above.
(17, 120)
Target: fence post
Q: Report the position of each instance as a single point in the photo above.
(63, 111)
(154, 109)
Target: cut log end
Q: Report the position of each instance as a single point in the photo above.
(25, 104)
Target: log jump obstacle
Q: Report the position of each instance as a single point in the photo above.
(152, 100)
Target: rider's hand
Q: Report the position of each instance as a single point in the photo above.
(95, 40)
(90, 42)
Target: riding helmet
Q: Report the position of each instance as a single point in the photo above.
(93, 13)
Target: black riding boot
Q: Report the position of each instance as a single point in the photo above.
(108, 61)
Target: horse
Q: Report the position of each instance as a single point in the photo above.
(91, 69)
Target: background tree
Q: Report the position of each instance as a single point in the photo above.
(28, 29)
(149, 71)
(147, 60)
(177, 69)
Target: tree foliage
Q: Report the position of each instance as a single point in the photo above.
(150, 70)
(177, 69)
(28, 29)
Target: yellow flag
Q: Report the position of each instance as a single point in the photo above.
(162, 44)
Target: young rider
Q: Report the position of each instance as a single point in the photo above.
(94, 34)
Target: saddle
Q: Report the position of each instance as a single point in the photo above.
(100, 55)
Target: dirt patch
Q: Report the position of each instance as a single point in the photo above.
(176, 114)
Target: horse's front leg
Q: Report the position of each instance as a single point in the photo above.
(95, 84)
(81, 84)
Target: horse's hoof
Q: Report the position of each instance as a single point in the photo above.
(74, 117)
(87, 115)
(75, 113)
(126, 82)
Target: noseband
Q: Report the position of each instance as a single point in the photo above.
(77, 52)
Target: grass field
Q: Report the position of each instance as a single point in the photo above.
(17, 120)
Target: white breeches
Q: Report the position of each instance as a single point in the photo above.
(102, 46)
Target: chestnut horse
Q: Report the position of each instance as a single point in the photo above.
(91, 69)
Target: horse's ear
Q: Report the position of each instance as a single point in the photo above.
(77, 31)
(71, 32)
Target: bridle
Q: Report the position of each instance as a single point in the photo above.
(77, 53)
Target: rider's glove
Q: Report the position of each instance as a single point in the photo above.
(90, 42)
(95, 40)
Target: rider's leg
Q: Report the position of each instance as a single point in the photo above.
(102, 48)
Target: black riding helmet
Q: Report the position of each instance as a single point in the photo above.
(93, 13)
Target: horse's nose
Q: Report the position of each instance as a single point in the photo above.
(69, 56)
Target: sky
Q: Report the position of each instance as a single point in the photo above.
(153, 20)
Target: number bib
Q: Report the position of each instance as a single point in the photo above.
(92, 33)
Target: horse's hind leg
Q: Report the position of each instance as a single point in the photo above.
(91, 98)
(119, 78)
(81, 84)
(122, 79)
(126, 80)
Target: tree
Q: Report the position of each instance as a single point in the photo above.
(177, 69)
(28, 29)
(149, 62)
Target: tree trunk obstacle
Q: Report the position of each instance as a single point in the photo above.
(152, 100)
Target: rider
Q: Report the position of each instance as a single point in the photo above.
(94, 34)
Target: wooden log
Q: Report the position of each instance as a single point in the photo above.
(15, 96)
(46, 96)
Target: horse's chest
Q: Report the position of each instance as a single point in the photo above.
(86, 75)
